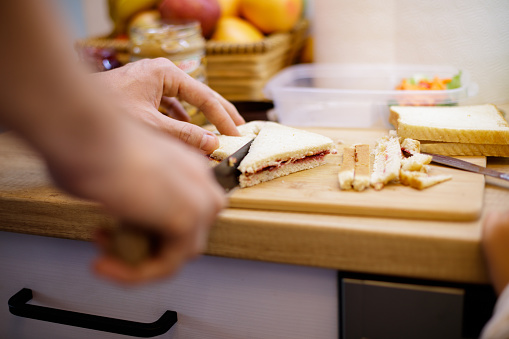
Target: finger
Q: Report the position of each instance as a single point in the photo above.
(178, 83)
(191, 134)
(231, 109)
(174, 109)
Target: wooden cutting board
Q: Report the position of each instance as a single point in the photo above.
(317, 190)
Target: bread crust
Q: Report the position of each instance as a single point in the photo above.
(454, 148)
(362, 168)
(459, 124)
(347, 169)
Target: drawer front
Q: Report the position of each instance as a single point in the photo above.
(213, 297)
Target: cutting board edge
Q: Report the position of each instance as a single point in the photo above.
(445, 215)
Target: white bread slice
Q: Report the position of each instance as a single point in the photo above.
(347, 169)
(277, 143)
(454, 148)
(361, 180)
(228, 145)
(421, 180)
(481, 124)
(251, 129)
(387, 161)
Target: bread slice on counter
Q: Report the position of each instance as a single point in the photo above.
(280, 150)
(481, 124)
(455, 148)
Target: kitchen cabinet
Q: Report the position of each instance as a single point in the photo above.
(214, 297)
(225, 298)
(397, 308)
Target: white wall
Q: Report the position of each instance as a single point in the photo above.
(468, 34)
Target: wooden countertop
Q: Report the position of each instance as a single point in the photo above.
(438, 250)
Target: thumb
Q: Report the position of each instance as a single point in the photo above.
(191, 134)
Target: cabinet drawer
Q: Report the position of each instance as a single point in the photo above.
(213, 297)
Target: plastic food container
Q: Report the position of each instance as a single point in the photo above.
(347, 95)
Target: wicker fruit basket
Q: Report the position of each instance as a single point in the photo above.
(237, 71)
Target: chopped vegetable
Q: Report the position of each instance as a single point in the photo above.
(420, 82)
(455, 81)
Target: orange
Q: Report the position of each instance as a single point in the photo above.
(272, 15)
(236, 30)
(229, 7)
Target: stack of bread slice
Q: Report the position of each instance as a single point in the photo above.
(454, 130)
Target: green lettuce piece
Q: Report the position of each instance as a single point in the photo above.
(455, 81)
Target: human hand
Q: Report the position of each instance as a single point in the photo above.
(95, 152)
(144, 85)
(157, 182)
(495, 242)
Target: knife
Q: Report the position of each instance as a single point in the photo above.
(133, 244)
(466, 166)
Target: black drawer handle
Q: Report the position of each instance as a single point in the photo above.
(18, 306)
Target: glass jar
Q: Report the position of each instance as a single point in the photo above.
(179, 41)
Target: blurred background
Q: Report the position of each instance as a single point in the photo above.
(468, 35)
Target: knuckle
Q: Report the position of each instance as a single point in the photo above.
(186, 134)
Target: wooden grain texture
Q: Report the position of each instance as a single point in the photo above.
(317, 190)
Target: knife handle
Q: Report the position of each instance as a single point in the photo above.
(133, 244)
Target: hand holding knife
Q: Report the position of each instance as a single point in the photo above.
(133, 243)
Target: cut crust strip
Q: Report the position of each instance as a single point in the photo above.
(387, 161)
(347, 170)
(420, 180)
(362, 169)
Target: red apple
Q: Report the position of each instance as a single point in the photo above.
(207, 12)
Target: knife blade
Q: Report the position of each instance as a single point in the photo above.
(466, 166)
(226, 172)
(133, 244)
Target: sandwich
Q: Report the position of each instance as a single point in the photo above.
(280, 150)
(459, 130)
(276, 151)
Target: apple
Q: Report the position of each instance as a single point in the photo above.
(207, 12)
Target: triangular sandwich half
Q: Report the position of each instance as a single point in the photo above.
(280, 150)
